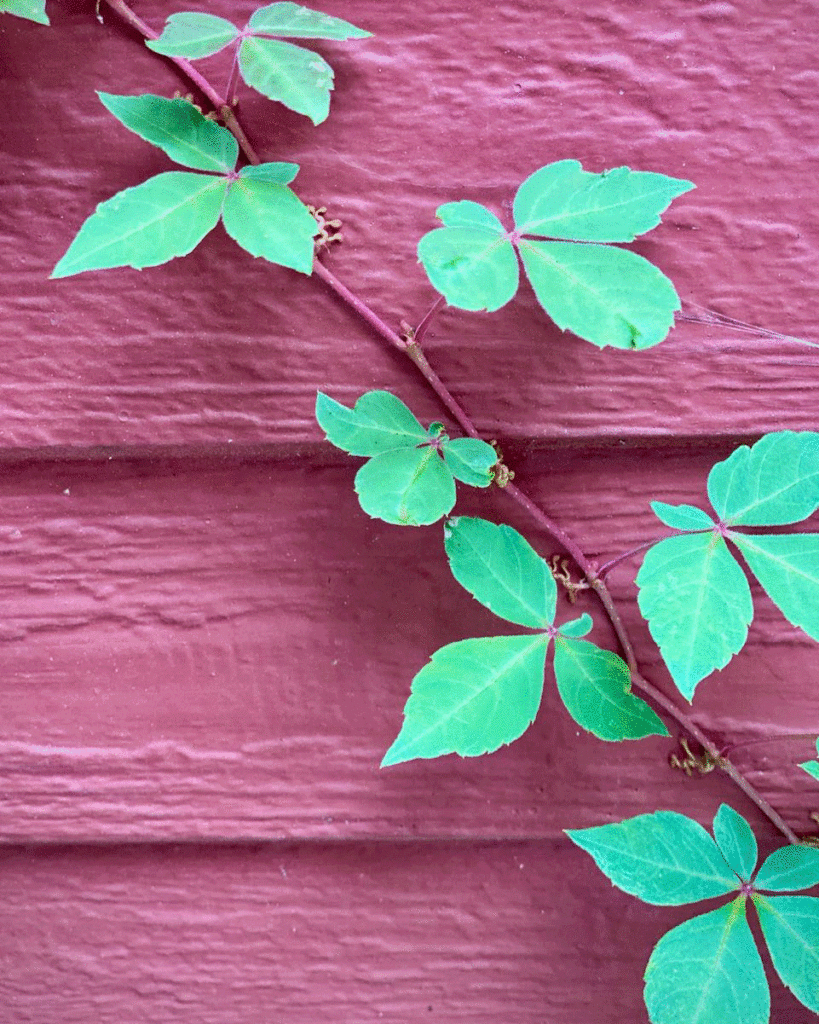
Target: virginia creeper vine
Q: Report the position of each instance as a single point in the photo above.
(472, 237)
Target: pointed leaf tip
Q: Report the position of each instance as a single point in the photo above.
(788, 869)
(298, 78)
(31, 10)
(697, 603)
(378, 422)
(502, 570)
(561, 200)
(193, 35)
(177, 128)
(682, 517)
(166, 216)
(294, 20)
(736, 841)
(772, 483)
(406, 487)
(595, 687)
(790, 925)
(470, 460)
(603, 294)
(473, 697)
(267, 219)
(663, 858)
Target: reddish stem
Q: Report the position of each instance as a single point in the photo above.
(219, 103)
(427, 319)
(413, 350)
(608, 566)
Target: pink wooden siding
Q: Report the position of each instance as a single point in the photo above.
(206, 645)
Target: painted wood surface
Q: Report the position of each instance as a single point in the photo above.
(294, 932)
(206, 644)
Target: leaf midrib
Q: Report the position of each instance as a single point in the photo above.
(597, 209)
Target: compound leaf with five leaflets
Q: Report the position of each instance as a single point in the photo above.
(693, 592)
(607, 295)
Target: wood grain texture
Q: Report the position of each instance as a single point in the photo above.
(223, 649)
(465, 933)
(436, 106)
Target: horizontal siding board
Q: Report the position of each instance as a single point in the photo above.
(224, 649)
(221, 348)
(465, 933)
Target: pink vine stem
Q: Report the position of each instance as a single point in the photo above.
(410, 347)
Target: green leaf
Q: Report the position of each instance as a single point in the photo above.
(288, 19)
(698, 605)
(562, 200)
(470, 460)
(577, 627)
(789, 868)
(736, 841)
(608, 296)
(501, 570)
(407, 487)
(378, 422)
(812, 767)
(298, 78)
(708, 970)
(33, 10)
(269, 220)
(193, 35)
(773, 483)
(466, 214)
(273, 174)
(165, 216)
(787, 566)
(470, 260)
(472, 697)
(595, 686)
(663, 858)
(178, 128)
(682, 517)
(790, 925)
